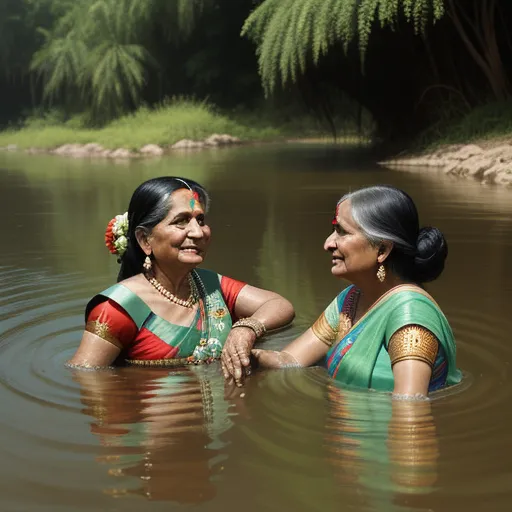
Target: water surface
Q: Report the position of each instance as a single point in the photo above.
(132, 439)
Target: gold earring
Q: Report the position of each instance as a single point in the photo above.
(147, 264)
(381, 273)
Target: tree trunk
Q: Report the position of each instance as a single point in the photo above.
(483, 46)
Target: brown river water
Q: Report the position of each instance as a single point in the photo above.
(149, 439)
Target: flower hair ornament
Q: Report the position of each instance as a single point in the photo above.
(116, 234)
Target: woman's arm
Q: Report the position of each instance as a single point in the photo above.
(269, 309)
(306, 350)
(412, 350)
(94, 352)
(412, 378)
(109, 329)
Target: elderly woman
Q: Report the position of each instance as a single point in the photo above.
(164, 311)
(384, 331)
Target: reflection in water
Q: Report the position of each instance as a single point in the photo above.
(160, 427)
(313, 444)
(383, 448)
(282, 265)
(293, 445)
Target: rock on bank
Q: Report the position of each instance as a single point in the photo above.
(491, 164)
(93, 149)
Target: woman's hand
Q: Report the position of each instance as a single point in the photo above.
(275, 359)
(266, 307)
(304, 351)
(235, 355)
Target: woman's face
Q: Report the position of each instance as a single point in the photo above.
(183, 236)
(352, 253)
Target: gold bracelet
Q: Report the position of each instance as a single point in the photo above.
(254, 324)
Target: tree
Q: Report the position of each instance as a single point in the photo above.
(477, 30)
(314, 26)
(98, 51)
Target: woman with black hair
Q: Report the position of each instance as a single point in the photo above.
(385, 331)
(164, 311)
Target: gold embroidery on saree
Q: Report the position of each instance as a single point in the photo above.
(413, 342)
(344, 326)
(323, 331)
(102, 330)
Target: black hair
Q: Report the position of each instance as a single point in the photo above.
(385, 213)
(149, 205)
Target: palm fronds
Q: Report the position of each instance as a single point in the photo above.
(99, 48)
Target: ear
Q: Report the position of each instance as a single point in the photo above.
(384, 250)
(144, 241)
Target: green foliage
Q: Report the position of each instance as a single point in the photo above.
(61, 62)
(165, 125)
(97, 50)
(18, 36)
(492, 120)
(290, 33)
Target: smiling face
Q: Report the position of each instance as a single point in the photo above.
(352, 254)
(183, 236)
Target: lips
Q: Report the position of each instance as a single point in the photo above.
(191, 249)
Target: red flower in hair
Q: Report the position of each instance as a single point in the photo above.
(109, 237)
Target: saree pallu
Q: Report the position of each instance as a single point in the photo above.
(360, 358)
(124, 319)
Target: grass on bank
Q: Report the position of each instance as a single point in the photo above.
(178, 119)
(489, 122)
(165, 125)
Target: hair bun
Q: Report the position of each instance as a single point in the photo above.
(431, 253)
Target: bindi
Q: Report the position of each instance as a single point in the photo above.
(195, 196)
(335, 220)
(193, 200)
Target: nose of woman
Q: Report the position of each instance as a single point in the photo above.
(195, 230)
(330, 243)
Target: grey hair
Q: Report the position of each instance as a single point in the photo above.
(387, 214)
(374, 211)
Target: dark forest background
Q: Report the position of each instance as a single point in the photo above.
(415, 66)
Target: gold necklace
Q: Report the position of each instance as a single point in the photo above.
(194, 295)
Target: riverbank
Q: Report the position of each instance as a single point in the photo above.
(177, 124)
(93, 149)
(181, 125)
(477, 146)
(488, 161)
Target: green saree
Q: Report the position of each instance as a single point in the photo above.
(361, 359)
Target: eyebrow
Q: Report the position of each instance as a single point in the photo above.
(187, 213)
(345, 227)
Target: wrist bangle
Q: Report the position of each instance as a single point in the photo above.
(254, 324)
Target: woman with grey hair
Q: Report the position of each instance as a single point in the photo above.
(385, 331)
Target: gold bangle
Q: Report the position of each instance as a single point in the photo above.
(252, 323)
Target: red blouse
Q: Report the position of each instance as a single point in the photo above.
(110, 322)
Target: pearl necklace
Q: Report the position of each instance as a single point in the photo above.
(194, 295)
